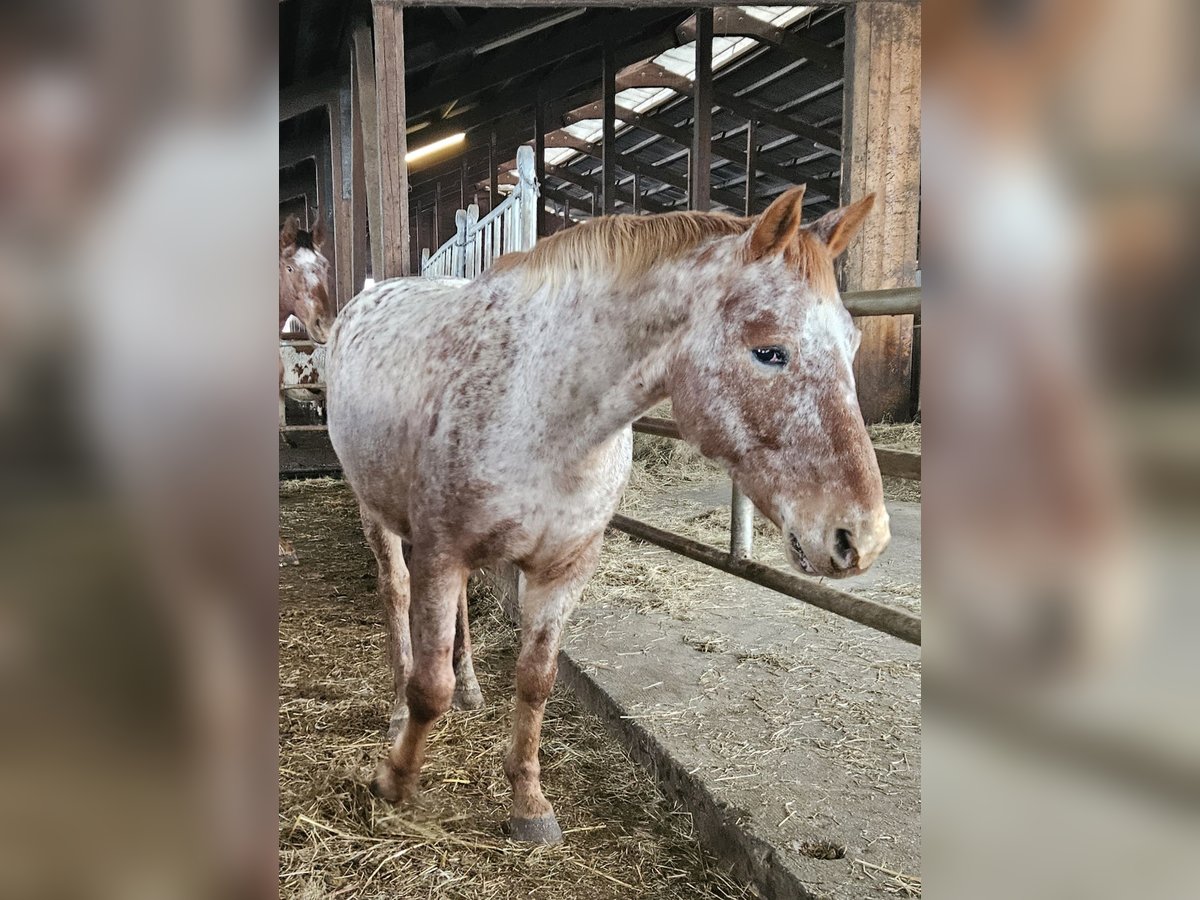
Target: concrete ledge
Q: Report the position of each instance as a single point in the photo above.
(749, 841)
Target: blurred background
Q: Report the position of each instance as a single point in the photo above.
(138, 424)
(1060, 164)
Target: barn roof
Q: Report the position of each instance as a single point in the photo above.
(479, 72)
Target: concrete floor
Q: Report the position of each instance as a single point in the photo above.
(802, 728)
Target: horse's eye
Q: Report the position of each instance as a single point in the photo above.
(289, 268)
(771, 356)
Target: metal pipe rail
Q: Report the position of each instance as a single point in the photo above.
(888, 619)
(899, 463)
(891, 302)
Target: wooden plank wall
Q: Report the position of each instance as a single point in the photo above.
(882, 153)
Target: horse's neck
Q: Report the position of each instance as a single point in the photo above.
(604, 349)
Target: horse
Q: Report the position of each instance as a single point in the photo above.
(303, 293)
(491, 421)
(304, 279)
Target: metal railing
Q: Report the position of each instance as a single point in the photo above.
(510, 226)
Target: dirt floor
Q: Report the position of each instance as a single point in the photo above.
(624, 840)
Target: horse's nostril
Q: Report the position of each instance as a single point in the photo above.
(845, 554)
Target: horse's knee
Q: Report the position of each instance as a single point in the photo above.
(537, 668)
(430, 691)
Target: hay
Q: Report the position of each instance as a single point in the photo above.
(897, 436)
(337, 841)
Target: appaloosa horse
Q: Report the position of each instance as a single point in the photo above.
(303, 293)
(491, 421)
(304, 279)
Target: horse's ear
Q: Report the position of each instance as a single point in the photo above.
(778, 226)
(318, 232)
(838, 228)
(289, 231)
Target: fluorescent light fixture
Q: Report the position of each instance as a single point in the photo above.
(428, 149)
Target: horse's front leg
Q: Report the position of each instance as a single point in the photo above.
(436, 583)
(393, 587)
(467, 694)
(550, 595)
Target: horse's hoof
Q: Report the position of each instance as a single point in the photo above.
(538, 830)
(467, 696)
(393, 786)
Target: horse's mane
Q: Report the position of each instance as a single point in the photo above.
(625, 246)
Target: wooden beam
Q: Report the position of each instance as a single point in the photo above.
(496, 68)
(751, 109)
(751, 166)
(495, 29)
(724, 148)
(608, 88)
(882, 124)
(493, 187)
(539, 156)
(325, 206)
(393, 140)
(590, 184)
(733, 22)
(340, 151)
(700, 185)
(364, 70)
(308, 95)
(564, 83)
(359, 228)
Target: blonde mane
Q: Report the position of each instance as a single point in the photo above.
(627, 247)
(623, 246)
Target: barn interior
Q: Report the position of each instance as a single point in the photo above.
(717, 737)
(611, 102)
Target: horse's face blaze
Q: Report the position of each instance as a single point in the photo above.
(767, 387)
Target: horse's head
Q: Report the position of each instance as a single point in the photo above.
(304, 279)
(764, 383)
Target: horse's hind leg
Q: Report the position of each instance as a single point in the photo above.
(467, 694)
(437, 582)
(549, 599)
(394, 597)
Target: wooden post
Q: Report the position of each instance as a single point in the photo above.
(469, 261)
(882, 153)
(341, 152)
(567, 214)
(699, 187)
(751, 170)
(437, 215)
(458, 253)
(364, 68)
(493, 177)
(325, 208)
(741, 510)
(539, 155)
(360, 255)
(393, 144)
(608, 178)
(530, 204)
